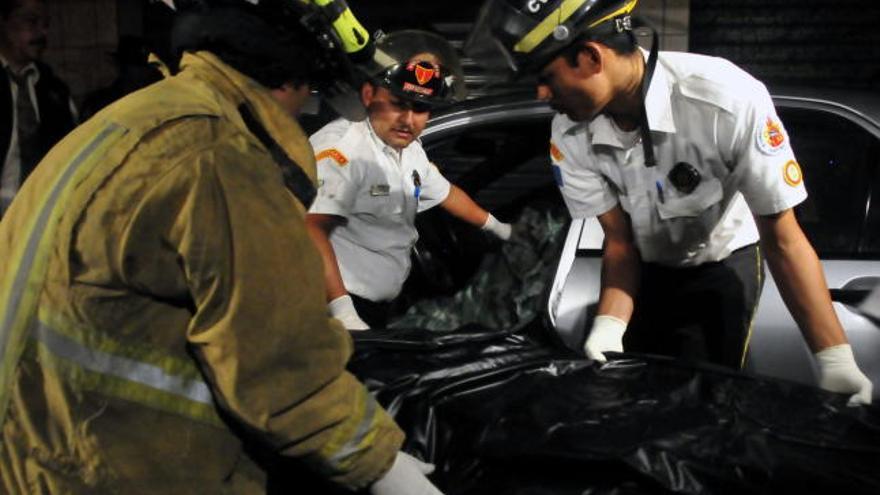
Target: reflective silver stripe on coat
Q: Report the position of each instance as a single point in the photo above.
(363, 429)
(13, 305)
(128, 369)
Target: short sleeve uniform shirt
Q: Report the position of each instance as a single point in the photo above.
(722, 155)
(379, 191)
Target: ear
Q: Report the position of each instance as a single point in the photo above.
(367, 94)
(591, 58)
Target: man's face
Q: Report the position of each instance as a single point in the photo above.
(23, 33)
(394, 120)
(292, 98)
(578, 91)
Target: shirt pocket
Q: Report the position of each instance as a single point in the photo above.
(701, 199)
(377, 201)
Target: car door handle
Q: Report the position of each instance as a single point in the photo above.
(850, 297)
(855, 291)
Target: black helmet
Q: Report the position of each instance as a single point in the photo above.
(277, 41)
(525, 35)
(420, 67)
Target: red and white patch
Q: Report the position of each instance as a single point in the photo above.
(555, 153)
(792, 174)
(771, 136)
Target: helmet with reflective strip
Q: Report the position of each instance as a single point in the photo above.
(525, 35)
(278, 41)
(420, 67)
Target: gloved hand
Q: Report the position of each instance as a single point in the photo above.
(501, 230)
(342, 308)
(838, 372)
(606, 335)
(406, 477)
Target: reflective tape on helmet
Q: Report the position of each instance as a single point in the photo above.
(545, 27)
(559, 16)
(19, 293)
(350, 31)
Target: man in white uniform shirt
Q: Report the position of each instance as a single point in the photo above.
(36, 110)
(689, 170)
(374, 176)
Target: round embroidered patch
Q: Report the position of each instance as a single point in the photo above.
(792, 174)
(771, 136)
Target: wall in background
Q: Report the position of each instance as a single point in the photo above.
(815, 42)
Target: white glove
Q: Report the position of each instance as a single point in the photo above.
(838, 372)
(606, 335)
(342, 308)
(406, 477)
(501, 230)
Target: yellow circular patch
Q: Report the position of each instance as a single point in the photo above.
(792, 174)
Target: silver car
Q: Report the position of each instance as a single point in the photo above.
(497, 149)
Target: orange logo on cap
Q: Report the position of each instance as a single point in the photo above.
(333, 153)
(424, 74)
(792, 174)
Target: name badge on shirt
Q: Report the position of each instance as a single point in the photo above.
(380, 190)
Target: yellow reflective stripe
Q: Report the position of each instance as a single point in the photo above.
(354, 36)
(626, 9)
(18, 294)
(745, 351)
(356, 434)
(540, 32)
(183, 366)
(124, 378)
(350, 31)
(545, 27)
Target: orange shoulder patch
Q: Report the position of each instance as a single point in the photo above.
(555, 153)
(333, 153)
(792, 174)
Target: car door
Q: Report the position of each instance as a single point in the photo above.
(839, 154)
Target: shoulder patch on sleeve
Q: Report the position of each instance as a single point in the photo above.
(792, 174)
(333, 153)
(555, 153)
(771, 136)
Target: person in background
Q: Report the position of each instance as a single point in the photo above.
(36, 109)
(150, 338)
(375, 177)
(133, 72)
(689, 170)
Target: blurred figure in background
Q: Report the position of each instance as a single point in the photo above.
(133, 72)
(36, 110)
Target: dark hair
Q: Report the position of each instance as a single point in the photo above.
(622, 43)
(268, 52)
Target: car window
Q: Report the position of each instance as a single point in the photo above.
(837, 157)
(499, 164)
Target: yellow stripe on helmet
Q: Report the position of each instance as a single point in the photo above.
(568, 7)
(350, 31)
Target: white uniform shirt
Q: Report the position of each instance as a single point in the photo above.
(703, 111)
(10, 180)
(374, 187)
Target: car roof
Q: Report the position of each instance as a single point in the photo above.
(858, 105)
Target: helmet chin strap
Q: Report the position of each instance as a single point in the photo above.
(647, 142)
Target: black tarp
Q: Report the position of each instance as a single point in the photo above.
(512, 414)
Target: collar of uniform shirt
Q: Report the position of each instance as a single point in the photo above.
(29, 71)
(658, 104)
